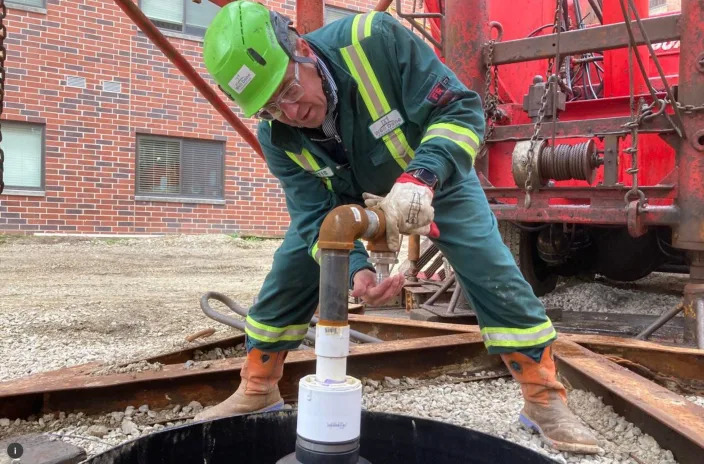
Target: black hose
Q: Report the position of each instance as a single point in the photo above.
(238, 309)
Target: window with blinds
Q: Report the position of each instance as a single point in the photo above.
(180, 15)
(169, 166)
(23, 145)
(37, 3)
(333, 13)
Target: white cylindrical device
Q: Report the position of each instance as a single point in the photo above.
(332, 346)
(329, 412)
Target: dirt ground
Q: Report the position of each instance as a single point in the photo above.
(67, 300)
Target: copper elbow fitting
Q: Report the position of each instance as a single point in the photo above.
(345, 224)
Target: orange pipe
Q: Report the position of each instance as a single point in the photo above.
(383, 5)
(345, 224)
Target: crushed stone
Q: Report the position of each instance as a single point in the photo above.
(139, 366)
(492, 406)
(652, 295)
(219, 353)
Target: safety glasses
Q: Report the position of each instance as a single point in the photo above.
(290, 94)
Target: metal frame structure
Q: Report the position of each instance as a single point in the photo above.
(677, 200)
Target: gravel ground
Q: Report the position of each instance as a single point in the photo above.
(488, 406)
(493, 406)
(649, 296)
(67, 301)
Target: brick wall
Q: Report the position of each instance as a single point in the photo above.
(90, 134)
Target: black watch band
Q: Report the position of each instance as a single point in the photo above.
(425, 176)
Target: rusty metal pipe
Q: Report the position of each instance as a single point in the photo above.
(341, 227)
(151, 31)
(383, 5)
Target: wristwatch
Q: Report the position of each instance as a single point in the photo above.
(425, 176)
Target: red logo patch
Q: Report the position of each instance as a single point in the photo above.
(438, 91)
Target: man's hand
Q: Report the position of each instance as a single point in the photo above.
(407, 208)
(365, 287)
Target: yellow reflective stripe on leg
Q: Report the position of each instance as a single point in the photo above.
(518, 338)
(465, 138)
(315, 252)
(268, 333)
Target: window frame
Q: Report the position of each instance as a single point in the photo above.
(23, 6)
(180, 196)
(327, 6)
(186, 29)
(42, 159)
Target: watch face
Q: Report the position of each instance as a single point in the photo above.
(426, 177)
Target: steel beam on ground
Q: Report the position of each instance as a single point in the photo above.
(581, 41)
(76, 389)
(673, 421)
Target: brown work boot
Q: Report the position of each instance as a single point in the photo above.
(545, 409)
(258, 390)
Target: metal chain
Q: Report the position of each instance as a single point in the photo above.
(3, 55)
(491, 100)
(687, 108)
(552, 81)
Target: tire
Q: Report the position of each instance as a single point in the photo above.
(522, 245)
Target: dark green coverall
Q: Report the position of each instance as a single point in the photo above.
(399, 109)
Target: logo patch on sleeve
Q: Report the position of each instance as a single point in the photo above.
(438, 90)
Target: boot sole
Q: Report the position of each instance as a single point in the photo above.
(559, 445)
(274, 407)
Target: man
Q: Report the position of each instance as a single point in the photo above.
(364, 107)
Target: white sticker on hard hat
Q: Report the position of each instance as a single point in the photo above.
(242, 79)
(387, 123)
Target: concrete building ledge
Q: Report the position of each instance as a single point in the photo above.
(205, 201)
(17, 6)
(24, 193)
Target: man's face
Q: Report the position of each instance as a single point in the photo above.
(310, 109)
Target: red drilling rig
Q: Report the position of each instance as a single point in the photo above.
(593, 161)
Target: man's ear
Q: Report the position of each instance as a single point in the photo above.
(304, 50)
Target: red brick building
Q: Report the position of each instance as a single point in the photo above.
(103, 135)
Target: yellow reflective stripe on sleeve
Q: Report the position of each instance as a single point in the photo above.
(370, 89)
(271, 334)
(462, 136)
(518, 338)
(315, 252)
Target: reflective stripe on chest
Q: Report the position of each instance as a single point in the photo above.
(387, 122)
(306, 161)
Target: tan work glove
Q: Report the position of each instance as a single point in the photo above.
(407, 208)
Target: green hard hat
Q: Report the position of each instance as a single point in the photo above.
(243, 52)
